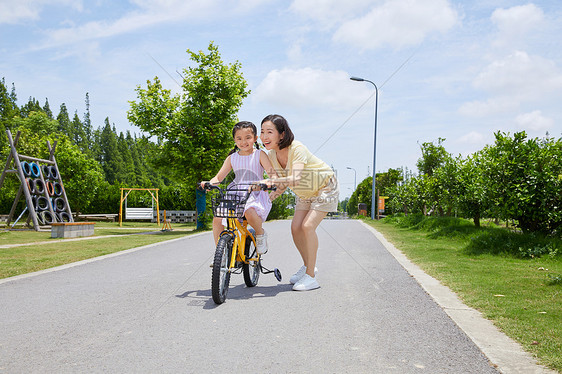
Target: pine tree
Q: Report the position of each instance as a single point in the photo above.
(8, 106)
(87, 126)
(47, 109)
(111, 160)
(31, 106)
(77, 134)
(128, 168)
(64, 121)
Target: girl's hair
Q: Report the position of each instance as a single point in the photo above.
(282, 127)
(244, 125)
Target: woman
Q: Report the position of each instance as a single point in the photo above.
(314, 184)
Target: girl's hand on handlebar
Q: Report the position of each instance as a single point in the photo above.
(205, 185)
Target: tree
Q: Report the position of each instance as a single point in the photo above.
(472, 188)
(128, 168)
(76, 133)
(81, 174)
(63, 119)
(87, 128)
(47, 109)
(37, 122)
(433, 156)
(523, 179)
(387, 180)
(194, 128)
(362, 194)
(8, 110)
(110, 160)
(31, 106)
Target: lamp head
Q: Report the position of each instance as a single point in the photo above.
(357, 79)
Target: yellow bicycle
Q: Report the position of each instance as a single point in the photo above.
(236, 249)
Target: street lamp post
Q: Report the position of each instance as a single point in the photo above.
(354, 178)
(374, 202)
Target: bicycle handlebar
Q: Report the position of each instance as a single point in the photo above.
(209, 186)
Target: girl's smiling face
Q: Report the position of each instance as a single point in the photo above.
(270, 137)
(245, 139)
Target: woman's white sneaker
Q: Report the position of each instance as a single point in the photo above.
(299, 274)
(306, 283)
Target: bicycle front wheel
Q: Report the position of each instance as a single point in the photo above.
(251, 269)
(221, 276)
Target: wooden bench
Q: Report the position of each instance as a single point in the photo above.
(72, 229)
(98, 217)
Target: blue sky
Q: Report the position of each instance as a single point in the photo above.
(459, 70)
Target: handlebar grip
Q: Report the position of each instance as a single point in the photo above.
(265, 187)
(207, 186)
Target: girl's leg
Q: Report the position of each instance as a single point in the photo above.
(303, 227)
(254, 220)
(217, 228)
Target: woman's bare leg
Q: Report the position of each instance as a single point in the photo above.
(303, 228)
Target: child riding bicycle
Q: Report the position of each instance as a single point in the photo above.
(248, 163)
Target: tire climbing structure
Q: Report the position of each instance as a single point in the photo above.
(41, 186)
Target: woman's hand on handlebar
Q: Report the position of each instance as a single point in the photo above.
(265, 184)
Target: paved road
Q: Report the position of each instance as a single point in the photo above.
(151, 310)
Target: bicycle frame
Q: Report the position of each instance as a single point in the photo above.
(240, 233)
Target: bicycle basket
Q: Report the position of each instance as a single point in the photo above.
(229, 205)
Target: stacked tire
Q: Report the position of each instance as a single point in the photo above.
(37, 189)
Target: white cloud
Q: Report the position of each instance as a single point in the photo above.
(328, 13)
(148, 13)
(514, 23)
(520, 74)
(310, 88)
(472, 137)
(488, 107)
(517, 78)
(398, 23)
(16, 11)
(534, 121)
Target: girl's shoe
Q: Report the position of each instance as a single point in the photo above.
(261, 243)
(306, 283)
(299, 274)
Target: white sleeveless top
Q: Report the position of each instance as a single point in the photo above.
(248, 169)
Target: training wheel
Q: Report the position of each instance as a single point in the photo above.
(277, 274)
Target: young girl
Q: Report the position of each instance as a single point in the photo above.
(248, 164)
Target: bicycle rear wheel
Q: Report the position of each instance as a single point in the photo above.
(221, 276)
(252, 269)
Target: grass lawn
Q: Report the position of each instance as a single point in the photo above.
(34, 257)
(523, 297)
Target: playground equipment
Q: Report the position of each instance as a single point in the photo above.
(139, 213)
(41, 185)
(167, 226)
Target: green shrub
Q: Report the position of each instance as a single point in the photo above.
(502, 241)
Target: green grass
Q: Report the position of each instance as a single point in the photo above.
(34, 257)
(492, 271)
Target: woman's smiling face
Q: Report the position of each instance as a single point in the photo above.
(270, 137)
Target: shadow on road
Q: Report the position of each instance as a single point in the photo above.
(239, 292)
